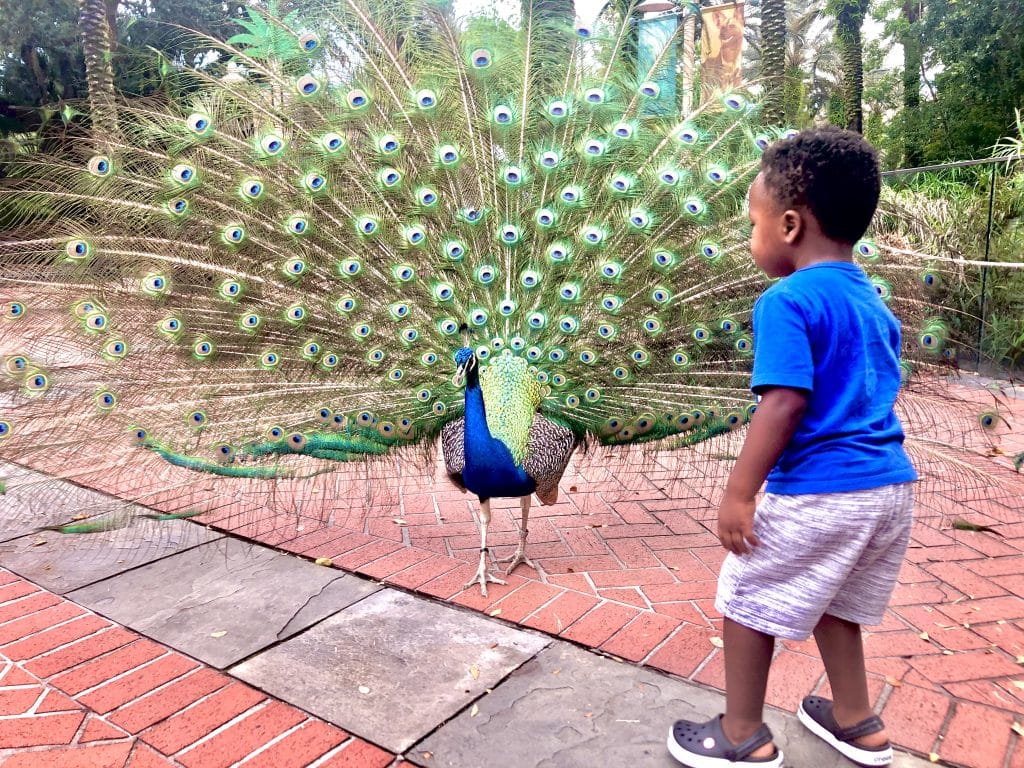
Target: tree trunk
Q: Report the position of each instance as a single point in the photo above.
(549, 22)
(30, 55)
(98, 37)
(689, 63)
(912, 55)
(550, 10)
(773, 60)
(849, 18)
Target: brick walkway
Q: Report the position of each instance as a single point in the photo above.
(77, 691)
(628, 564)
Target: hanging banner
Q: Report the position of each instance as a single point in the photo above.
(721, 44)
(656, 62)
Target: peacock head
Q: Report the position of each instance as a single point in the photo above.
(465, 360)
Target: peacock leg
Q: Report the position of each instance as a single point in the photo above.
(520, 555)
(482, 576)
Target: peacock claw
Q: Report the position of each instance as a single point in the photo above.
(515, 560)
(481, 578)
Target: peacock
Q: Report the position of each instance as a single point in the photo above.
(373, 230)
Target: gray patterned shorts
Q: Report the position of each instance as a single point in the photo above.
(834, 553)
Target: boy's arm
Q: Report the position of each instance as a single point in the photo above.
(771, 428)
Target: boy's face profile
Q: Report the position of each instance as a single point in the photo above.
(773, 232)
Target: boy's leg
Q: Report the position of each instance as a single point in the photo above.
(748, 657)
(842, 651)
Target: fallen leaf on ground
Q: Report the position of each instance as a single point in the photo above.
(364, 689)
(1018, 729)
(474, 711)
(496, 612)
(474, 671)
(717, 642)
(427, 755)
(923, 635)
(398, 521)
(324, 561)
(219, 633)
(933, 757)
(893, 681)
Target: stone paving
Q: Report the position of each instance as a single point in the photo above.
(390, 679)
(78, 691)
(627, 563)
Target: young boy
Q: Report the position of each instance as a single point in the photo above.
(820, 554)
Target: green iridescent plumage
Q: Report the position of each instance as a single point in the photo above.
(269, 273)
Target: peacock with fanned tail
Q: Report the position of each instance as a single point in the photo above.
(276, 270)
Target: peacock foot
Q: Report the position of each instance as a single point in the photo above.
(514, 560)
(482, 577)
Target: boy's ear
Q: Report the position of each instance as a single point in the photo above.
(792, 226)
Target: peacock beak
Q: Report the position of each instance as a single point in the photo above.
(461, 370)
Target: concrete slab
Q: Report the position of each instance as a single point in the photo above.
(33, 500)
(569, 708)
(63, 562)
(392, 667)
(225, 600)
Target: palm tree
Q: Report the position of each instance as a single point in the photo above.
(550, 10)
(773, 60)
(99, 33)
(849, 16)
(912, 58)
(620, 10)
(547, 17)
(812, 65)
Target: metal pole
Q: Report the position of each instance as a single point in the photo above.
(984, 270)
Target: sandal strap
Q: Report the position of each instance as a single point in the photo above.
(865, 727)
(741, 751)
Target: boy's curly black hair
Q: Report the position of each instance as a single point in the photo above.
(832, 172)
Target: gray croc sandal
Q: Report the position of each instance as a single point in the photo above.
(705, 745)
(816, 714)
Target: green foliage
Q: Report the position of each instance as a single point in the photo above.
(949, 211)
(263, 39)
(42, 65)
(974, 46)
(42, 58)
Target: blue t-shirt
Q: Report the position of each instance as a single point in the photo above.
(825, 330)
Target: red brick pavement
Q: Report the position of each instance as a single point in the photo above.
(628, 561)
(104, 697)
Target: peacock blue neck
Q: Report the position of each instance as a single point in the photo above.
(477, 434)
(490, 469)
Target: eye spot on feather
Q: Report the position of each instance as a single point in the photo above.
(100, 166)
(480, 59)
(650, 89)
(357, 99)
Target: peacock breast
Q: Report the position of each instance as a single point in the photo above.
(511, 395)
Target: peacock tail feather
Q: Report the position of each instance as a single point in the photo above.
(268, 273)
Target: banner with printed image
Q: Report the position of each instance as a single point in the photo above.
(721, 44)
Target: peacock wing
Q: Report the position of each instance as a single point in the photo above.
(453, 448)
(548, 451)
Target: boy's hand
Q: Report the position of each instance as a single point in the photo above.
(736, 524)
(777, 417)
